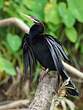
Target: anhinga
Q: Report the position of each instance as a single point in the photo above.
(44, 48)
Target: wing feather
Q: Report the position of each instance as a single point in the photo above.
(28, 56)
(30, 64)
(59, 47)
(33, 57)
(26, 61)
(55, 57)
(59, 66)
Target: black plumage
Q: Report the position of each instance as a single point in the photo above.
(41, 47)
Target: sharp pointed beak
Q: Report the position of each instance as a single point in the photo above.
(32, 18)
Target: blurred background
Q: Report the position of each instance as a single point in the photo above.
(62, 18)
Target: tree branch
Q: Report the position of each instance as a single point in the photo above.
(16, 22)
(44, 94)
(73, 70)
(14, 104)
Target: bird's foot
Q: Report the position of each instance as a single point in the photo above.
(43, 74)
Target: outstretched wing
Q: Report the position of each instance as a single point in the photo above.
(57, 54)
(28, 56)
(58, 47)
(56, 58)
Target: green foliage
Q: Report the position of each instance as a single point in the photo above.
(51, 13)
(79, 44)
(71, 34)
(67, 18)
(1, 4)
(7, 66)
(76, 8)
(36, 7)
(14, 42)
(63, 19)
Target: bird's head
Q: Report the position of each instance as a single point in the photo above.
(36, 29)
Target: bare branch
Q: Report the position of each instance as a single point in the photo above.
(16, 22)
(14, 104)
(73, 70)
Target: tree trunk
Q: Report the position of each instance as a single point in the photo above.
(44, 94)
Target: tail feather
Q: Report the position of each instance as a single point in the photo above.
(72, 90)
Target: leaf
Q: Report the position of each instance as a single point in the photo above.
(67, 18)
(51, 13)
(76, 8)
(7, 66)
(13, 41)
(36, 8)
(71, 34)
(1, 4)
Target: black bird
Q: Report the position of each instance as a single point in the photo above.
(48, 51)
